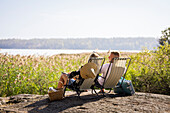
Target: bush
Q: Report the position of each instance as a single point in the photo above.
(150, 70)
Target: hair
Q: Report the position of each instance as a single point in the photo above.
(94, 54)
(115, 53)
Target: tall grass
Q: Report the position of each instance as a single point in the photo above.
(149, 71)
(34, 74)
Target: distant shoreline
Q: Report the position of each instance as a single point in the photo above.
(82, 43)
(50, 52)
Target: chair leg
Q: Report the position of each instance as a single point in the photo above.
(64, 90)
(92, 91)
(78, 93)
(95, 92)
(110, 90)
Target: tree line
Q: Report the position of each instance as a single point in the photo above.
(81, 43)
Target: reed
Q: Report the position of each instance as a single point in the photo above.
(34, 74)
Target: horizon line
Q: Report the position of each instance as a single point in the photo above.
(75, 38)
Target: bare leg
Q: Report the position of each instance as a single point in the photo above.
(62, 81)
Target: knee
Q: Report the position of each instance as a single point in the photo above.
(64, 76)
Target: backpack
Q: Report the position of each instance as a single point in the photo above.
(125, 88)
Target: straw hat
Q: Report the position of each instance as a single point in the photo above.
(88, 70)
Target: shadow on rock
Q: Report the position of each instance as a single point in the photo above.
(68, 102)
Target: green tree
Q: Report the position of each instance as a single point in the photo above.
(165, 38)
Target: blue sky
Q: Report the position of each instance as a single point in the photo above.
(83, 18)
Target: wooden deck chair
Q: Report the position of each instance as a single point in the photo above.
(115, 71)
(84, 84)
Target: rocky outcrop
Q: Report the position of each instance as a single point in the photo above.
(140, 102)
(19, 99)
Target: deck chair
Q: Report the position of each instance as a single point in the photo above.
(115, 71)
(84, 84)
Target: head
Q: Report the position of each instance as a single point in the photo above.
(114, 54)
(93, 55)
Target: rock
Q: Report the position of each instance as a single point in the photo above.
(140, 102)
(4, 100)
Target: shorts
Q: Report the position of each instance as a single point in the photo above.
(71, 81)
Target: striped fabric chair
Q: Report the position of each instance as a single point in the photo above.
(115, 71)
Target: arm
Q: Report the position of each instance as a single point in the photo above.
(74, 73)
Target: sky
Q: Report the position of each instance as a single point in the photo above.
(26, 19)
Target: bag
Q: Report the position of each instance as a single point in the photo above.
(126, 87)
(56, 94)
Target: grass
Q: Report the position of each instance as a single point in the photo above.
(35, 74)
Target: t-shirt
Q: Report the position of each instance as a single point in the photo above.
(103, 72)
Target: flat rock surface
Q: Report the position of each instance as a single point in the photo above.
(140, 102)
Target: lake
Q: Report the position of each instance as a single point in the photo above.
(49, 52)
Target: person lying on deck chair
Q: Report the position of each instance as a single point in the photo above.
(71, 76)
(100, 80)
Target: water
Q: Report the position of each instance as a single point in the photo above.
(49, 52)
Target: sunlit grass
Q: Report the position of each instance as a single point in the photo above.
(34, 74)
